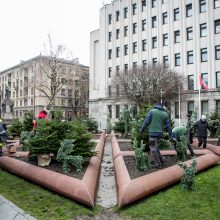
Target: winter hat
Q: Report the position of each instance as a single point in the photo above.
(42, 114)
(203, 117)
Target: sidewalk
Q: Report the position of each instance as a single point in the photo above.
(9, 211)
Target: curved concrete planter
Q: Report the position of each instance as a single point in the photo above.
(131, 190)
(80, 190)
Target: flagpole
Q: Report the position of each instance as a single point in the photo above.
(199, 97)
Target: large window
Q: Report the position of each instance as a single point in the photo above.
(117, 70)
(135, 47)
(189, 10)
(117, 15)
(117, 33)
(218, 79)
(134, 9)
(109, 18)
(203, 30)
(190, 57)
(205, 78)
(144, 45)
(117, 111)
(190, 82)
(216, 3)
(134, 28)
(109, 91)
(125, 12)
(153, 3)
(204, 55)
(164, 1)
(110, 54)
(176, 13)
(117, 51)
(109, 72)
(189, 33)
(125, 31)
(165, 60)
(204, 107)
(176, 110)
(177, 36)
(144, 25)
(218, 106)
(143, 5)
(154, 60)
(125, 49)
(165, 39)
(109, 36)
(165, 18)
(190, 107)
(202, 6)
(217, 26)
(125, 67)
(154, 42)
(110, 111)
(177, 59)
(217, 52)
(154, 22)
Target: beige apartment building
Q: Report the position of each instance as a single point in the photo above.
(185, 34)
(20, 84)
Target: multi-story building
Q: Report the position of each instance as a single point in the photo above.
(182, 33)
(23, 80)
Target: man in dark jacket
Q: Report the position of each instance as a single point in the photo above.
(202, 127)
(158, 119)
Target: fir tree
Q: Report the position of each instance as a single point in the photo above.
(28, 121)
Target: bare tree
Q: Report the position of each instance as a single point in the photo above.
(148, 84)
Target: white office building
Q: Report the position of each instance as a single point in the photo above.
(183, 33)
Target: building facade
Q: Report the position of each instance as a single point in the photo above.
(185, 34)
(20, 84)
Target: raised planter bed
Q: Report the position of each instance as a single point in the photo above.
(130, 190)
(83, 190)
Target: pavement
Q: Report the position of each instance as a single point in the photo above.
(9, 211)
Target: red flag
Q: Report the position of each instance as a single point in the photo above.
(202, 83)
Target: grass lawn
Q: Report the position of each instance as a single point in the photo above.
(40, 202)
(173, 203)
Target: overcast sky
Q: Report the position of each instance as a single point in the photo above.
(25, 24)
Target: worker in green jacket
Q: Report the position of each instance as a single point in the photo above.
(179, 131)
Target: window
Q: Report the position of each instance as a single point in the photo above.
(143, 5)
(217, 52)
(203, 30)
(63, 102)
(134, 9)
(125, 67)
(144, 45)
(189, 10)
(109, 36)
(125, 49)
(109, 19)
(216, 3)
(176, 13)
(190, 80)
(177, 59)
(125, 12)
(218, 106)
(63, 92)
(117, 51)
(204, 107)
(153, 3)
(109, 91)
(144, 63)
(117, 111)
(125, 31)
(134, 65)
(217, 26)
(117, 33)
(135, 47)
(176, 36)
(109, 54)
(154, 60)
(154, 22)
(109, 72)
(190, 57)
(134, 28)
(20, 93)
(144, 25)
(165, 18)
(177, 110)
(202, 6)
(165, 60)
(70, 92)
(154, 42)
(117, 70)
(218, 79)
(117, 15)
(164, 1)
(110, 111)
(204, 55)
(190, 107)
(165, 39)
(205, 78)
(189, 33)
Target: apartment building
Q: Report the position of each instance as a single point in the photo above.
(185, 34)
(23, 80)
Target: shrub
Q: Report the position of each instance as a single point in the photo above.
(181, 148)
(119, 125)
(24, 139)
(91, 124)
(28, 121)
(15, 129)
(65, 156)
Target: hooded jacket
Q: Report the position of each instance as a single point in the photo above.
(158, 120)
(202, 127)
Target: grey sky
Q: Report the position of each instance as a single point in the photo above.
(25, 25)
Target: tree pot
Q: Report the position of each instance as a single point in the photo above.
(43, 160)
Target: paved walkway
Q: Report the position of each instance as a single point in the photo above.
(9, 211)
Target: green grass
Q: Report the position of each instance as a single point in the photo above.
(39, 202)
(173, 203)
